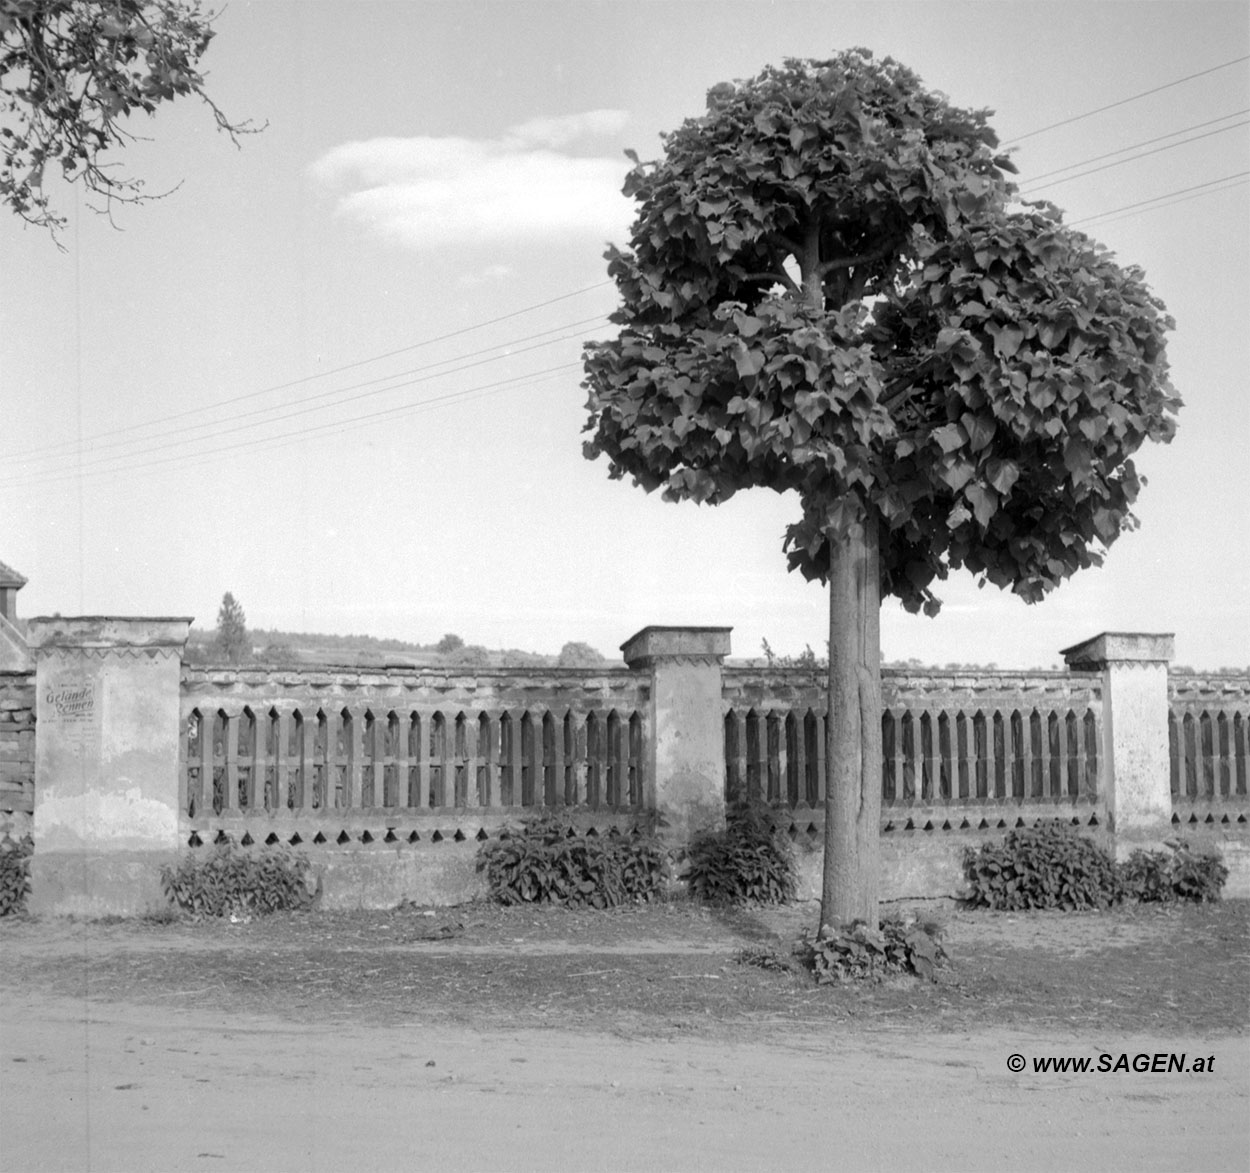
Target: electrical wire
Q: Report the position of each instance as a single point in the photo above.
(333, 371)
(1198, 187)
(299, 435)
(1125, 101)
(1034, 186)
(1108, 218)
(339, 395)
(1144, 143)
(231, 427)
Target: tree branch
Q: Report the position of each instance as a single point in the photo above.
(782, 277)
(849, 262)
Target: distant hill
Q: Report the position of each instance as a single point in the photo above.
(270, 645)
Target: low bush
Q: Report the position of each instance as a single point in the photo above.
(15, 874)
(1053, 866)
(1048, 866)
(1176, 874)
(750, 861)
(545, 862)
(231, 881)
(856, 952)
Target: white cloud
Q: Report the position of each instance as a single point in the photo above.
(521, 187)
(490, 275)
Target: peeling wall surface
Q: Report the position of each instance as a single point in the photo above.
(687, 748)
(106, 760)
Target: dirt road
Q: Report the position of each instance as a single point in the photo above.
(118, 1086)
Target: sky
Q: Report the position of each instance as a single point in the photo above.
(336, 372)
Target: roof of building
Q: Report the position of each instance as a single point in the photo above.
(10, 577)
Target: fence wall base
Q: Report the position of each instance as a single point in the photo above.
(96, 884)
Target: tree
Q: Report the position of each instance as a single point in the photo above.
(232, 641)
(71, 74)
(448, 644)
(578, 655)
(832, 289)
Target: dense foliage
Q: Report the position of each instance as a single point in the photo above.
(1054, 866)
(749, 861)
(544, 861)
(15, 874)
(856, 952)
(231, 881)
(831, 288)
(72, 72)
(1048, 866)
(1178, 874)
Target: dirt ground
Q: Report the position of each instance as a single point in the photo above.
(487, 1038)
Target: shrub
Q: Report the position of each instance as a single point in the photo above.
(545, 862)
(751, 860)
(857, 953)
(1052, 866)
(230, 881)
(1048, 866)
(1176, 874)
(15, 874)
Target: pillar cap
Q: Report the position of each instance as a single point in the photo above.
(1110, 647)
(676, 643)
(107, 631)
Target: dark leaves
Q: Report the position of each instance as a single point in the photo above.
(984, 410)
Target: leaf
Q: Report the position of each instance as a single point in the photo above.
(748, 325)
(950, 437)
(1002, 474)
(1007, 339)
(958, 515)
(749, 362)
(1076, 458)
(984, 503)
(980, 430)
(957, 474)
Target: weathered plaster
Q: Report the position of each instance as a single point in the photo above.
(1134, 669)
(687, 732)
(106, 759)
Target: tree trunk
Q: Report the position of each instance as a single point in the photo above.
(851, 883)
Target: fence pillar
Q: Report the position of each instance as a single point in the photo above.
(685, 752)
(1136, 769)
(106, 762)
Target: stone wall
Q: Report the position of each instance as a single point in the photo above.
(390, 778)
(17, 752)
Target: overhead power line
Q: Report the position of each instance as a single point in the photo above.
(1125, 101)
(338, 395)
(220, 403)
(235, 424)
(1144, 143)
(299, 435)
(1155, 199)
(1109, 218)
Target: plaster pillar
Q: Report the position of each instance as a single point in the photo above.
(1136, 765)
(686, 748)
(106, 762)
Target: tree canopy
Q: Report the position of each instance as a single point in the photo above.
(71, 74)
(832, 288)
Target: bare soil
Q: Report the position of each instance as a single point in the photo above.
(488, 1037)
